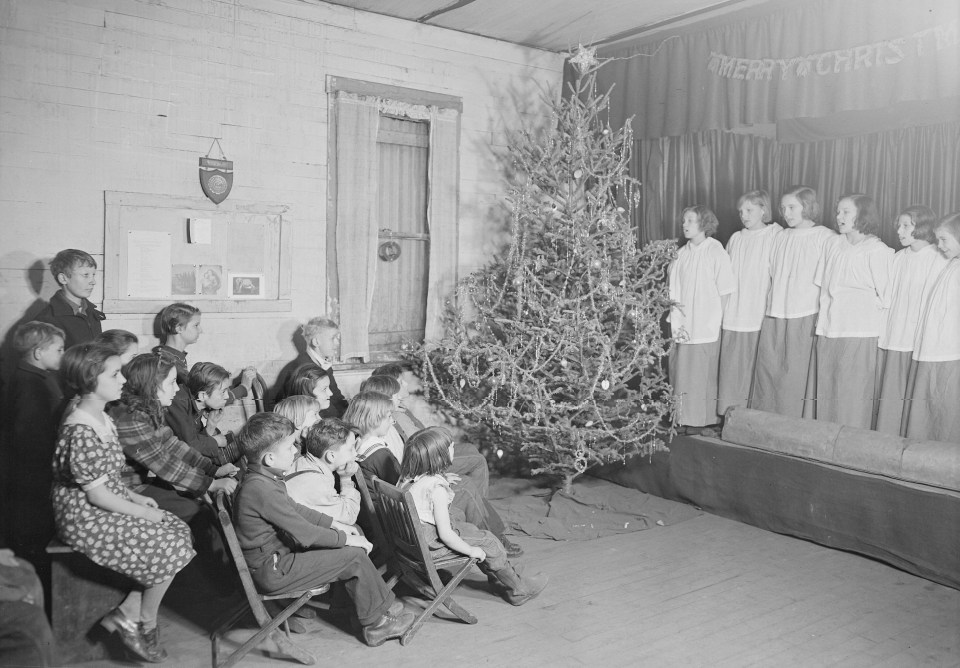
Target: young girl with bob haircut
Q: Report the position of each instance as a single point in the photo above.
(915, 268)
(750, 251)
(933, 386)
(786, 335)
(854, 277)
(427, 458)
(99, 516)
(311, 381)
(372, 414)
(701, 280)
(390, 387)
(303, 411)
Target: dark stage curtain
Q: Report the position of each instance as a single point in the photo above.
(785, 60)
(919, 165)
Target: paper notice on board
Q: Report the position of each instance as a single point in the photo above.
(148, 264)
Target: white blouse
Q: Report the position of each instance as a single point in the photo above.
(914, 273)
(795, 256)
(938, 337)
(855, 283)
(750, 252)
(699, 277)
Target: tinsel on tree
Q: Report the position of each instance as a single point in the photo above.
(557, 344)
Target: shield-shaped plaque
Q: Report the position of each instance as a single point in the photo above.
(216, 178)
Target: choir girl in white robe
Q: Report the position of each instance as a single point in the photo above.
(933, 388)
(750, 251)
(915, 268)
(701, 278)
(786, 335)
(854, 279)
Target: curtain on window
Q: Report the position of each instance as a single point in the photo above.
(442, 214)
(358, 119)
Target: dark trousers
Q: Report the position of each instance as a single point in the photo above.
(212, 554)
(306, 570)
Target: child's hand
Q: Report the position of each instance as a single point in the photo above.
(348, 469)
(225, 484)
(452, 478)
(146, 501)
(226, 470)
(348, 529)
(247, 376)
(359, 541)
(213, 419)
(477, 554)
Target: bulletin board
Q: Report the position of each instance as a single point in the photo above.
(234, 257)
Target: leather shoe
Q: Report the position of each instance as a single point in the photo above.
(128, 632)
(151, 642)
(392, 624)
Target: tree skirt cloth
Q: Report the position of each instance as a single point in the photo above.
(596, 508)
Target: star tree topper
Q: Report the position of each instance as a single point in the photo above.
(584, 58)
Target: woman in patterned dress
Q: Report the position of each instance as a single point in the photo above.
(99, 517)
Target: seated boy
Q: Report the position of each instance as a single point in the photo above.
(195, 420)
(34, 403)
(322, 338)
(288, 546)
(69, 309)
(330, 455)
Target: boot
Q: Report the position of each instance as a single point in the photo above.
(513, 550)
(519, 590)
(392, 624)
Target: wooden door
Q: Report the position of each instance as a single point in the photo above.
(400, 293)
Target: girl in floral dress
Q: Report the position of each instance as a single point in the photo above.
(99, 517)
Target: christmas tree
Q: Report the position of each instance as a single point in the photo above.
(557, 345)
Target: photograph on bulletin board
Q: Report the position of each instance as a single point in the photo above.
(183, 279)
(246, 286)
(211, 280)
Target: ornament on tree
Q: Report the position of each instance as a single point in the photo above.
(573, 285)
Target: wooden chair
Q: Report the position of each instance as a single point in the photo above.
(383, 548)
(412, 559)
(269, 626)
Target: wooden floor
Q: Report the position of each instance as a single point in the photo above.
(706, 592)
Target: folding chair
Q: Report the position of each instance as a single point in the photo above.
(254, 602)
(383, 549)
(411, 556)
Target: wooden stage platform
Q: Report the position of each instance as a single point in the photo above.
(705, 592)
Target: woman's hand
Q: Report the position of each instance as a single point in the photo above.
(155, 515)
(477, 554)
(141, 500)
